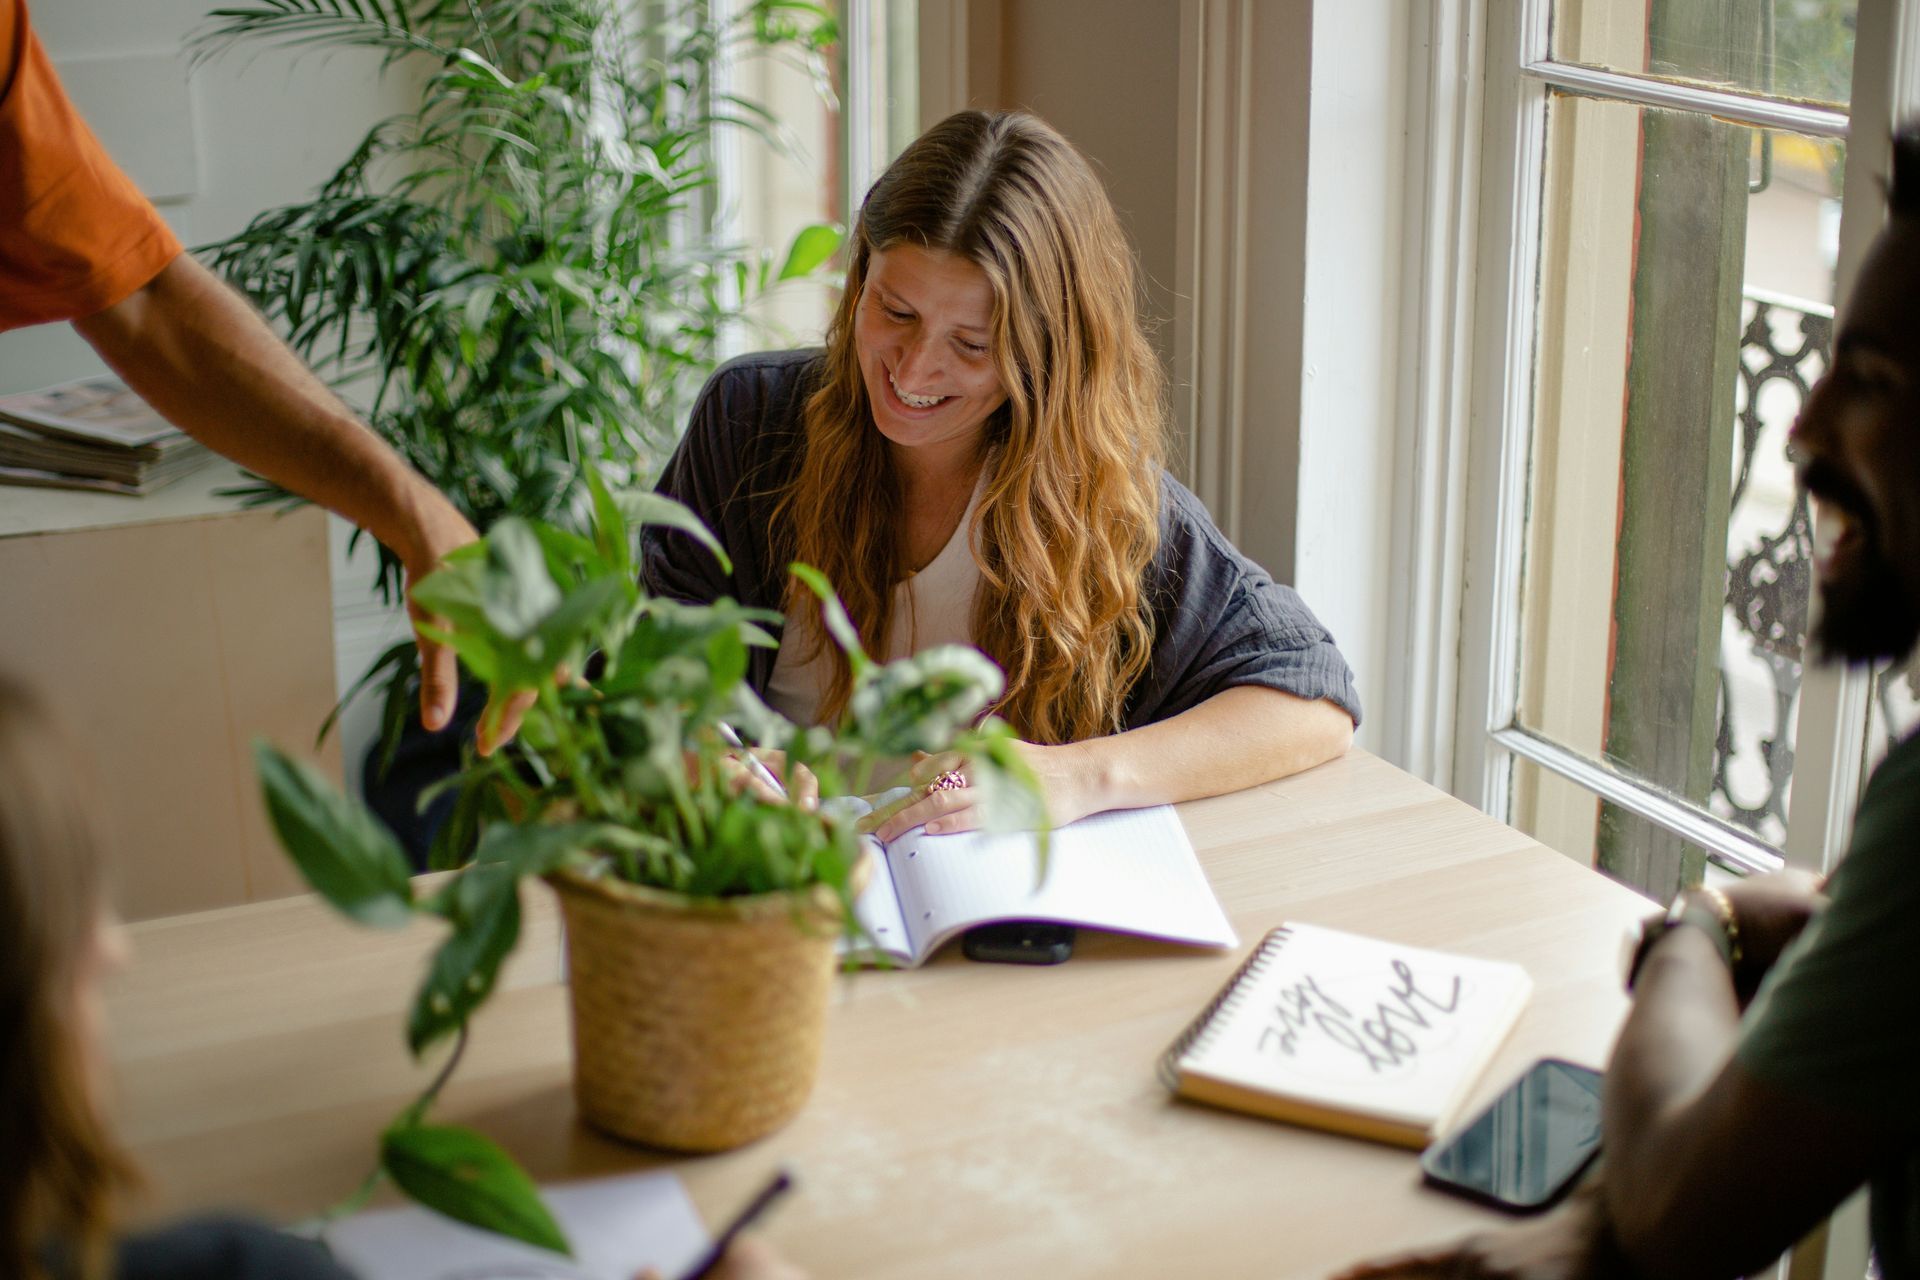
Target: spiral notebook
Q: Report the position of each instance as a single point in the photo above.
(1352, 1034)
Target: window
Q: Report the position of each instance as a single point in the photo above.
(1673, 195)
(831, 142)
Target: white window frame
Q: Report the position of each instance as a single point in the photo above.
(1486, 501)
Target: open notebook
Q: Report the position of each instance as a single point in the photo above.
(1349, 1033)
(1130, 871)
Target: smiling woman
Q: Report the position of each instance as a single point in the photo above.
(976, 457)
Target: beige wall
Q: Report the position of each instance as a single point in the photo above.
(1107, 74)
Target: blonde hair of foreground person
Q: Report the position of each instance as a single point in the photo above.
(1069, 519)
(60, 1168)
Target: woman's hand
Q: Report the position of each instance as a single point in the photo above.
(1571, 1243)
(799, 784)
(945, 801)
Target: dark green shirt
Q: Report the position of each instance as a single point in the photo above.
(1838, 1019)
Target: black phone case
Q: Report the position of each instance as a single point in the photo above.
(1019, 942)
(1468, 1192)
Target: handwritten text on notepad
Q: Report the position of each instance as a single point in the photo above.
(1384, 1027)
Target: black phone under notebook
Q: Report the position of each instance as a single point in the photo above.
(1019, 942)
(1524, 1151)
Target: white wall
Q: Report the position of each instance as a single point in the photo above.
(254, 129)
(1351, 365)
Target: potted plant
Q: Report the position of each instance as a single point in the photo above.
(513, 275)
(701, 913)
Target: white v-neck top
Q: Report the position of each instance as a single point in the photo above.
(931, 607)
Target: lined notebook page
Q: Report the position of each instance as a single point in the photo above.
(878, 911)
(1130, 871)
(1358, 1025)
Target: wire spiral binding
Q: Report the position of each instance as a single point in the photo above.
(1203, 1025)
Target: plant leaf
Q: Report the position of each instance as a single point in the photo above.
(839, 625)
(609, 526)
(644, 508)
(341, 849)
(483, 905)
(810, 249)
(468, 1178)
(518, 591)
(584, 610)
(535, 849)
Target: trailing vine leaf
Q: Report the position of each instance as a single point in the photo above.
(344, 852)
(463, 1175)
(483, 906)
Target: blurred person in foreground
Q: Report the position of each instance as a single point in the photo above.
(64, 1177)
(1768, 1067)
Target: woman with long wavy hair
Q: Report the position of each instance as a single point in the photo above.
(977, 457)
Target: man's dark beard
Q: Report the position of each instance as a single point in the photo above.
(1867, 616)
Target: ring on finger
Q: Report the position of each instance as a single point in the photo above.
(951, 780)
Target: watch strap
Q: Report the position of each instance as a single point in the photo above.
(1704, 908)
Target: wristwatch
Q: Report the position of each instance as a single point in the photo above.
(1704, 908)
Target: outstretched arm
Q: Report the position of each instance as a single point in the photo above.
(1239, 737)
(206, 361)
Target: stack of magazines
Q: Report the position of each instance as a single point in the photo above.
(94, 434)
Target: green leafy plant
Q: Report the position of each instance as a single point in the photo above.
(516, 273)
(623, 768)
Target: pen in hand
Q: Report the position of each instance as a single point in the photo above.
(755, 764)
(779, 1185)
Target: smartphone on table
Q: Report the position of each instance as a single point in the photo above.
(1525, 1150)
(1019, 942)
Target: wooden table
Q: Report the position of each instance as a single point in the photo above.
(970, 1120)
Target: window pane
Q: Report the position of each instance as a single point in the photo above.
(1799, 49)
(1685, 306)
(1559, 814)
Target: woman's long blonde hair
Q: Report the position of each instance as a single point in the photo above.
(1069, 519)
(60, 1168)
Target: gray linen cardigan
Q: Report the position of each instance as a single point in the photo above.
(1218, 619)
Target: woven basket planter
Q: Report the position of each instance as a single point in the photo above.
(696, 1022)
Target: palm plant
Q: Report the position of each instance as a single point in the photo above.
(513, 271)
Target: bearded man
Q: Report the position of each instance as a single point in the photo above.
(1769, 1065)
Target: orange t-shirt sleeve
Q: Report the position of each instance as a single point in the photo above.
(76, 236)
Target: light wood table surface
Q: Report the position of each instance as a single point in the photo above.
(970, 1120)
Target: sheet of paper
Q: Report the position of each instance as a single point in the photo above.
(618, 1226)
(1130, 871)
